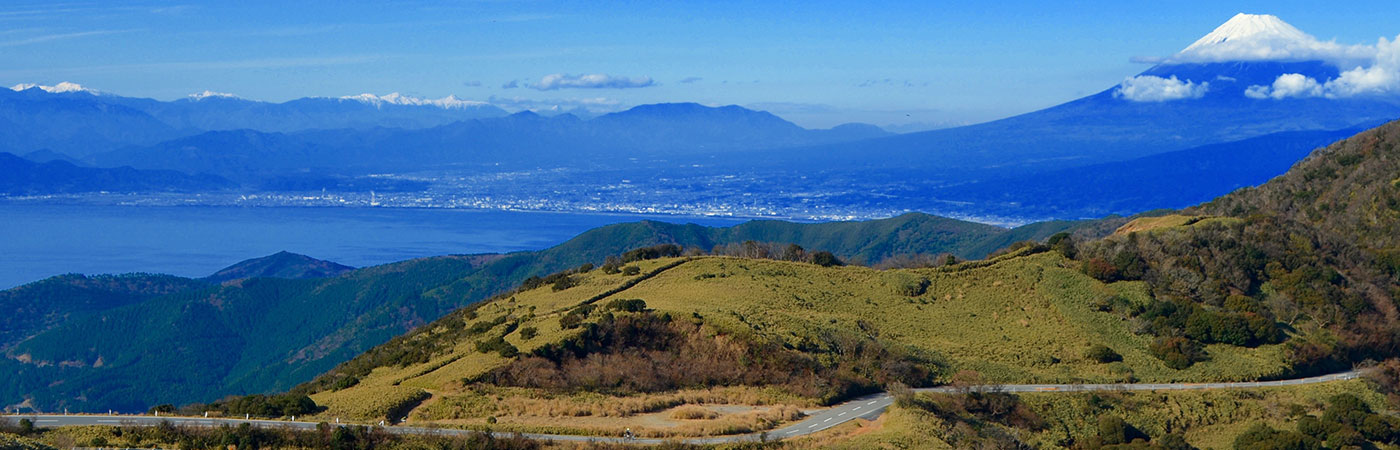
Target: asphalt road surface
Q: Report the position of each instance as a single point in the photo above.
(868, 407)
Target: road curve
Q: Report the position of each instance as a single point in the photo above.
(868, 407)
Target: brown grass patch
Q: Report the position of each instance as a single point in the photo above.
(693, 412)
(1152, 223)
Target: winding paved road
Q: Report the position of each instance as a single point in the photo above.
(868, 407)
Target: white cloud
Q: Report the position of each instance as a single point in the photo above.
(1380, 77)
(590, 81)
(1149, 88)
(1310, 49)
(593, 105)
(1291, 85)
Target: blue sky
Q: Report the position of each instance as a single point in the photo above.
(816, 63)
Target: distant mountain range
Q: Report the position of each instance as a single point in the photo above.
(1198, 99)
(78, 122)
(523, 139)
(20, 176)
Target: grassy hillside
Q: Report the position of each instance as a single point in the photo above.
(201, 342)
(774, 335)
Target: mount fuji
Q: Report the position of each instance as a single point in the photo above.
(1232, 84)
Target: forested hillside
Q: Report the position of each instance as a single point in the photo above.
(1309, 258)
(37, 306)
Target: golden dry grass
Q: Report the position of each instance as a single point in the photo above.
(693, 412)
(1152, 223)
(1207, 419)
(1014, 319)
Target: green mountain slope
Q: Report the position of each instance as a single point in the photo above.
(279, 265)
(34, 307)
(245, 336)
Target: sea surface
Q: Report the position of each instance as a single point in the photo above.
(38, 241)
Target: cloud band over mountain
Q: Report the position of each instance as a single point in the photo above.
(590, 81)
(1150, 88)
(1380, 77)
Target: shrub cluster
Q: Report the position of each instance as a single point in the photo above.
(626, 305)
(497, 345)
(1103, 354)
(1347, 422)
(559, 281)
(1116, 434)
(776, 251)
(967, 419)
(649, 352)
(1177, 352)
(1183, 328)
(258, 405)
(652, 252)
(1165, 318)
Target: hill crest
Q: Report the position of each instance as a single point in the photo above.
(282, 264)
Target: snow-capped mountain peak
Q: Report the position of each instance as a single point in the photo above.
(448, 102)
(60, 88)
(210, 94)
(1264, 37)
(1251, 27)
